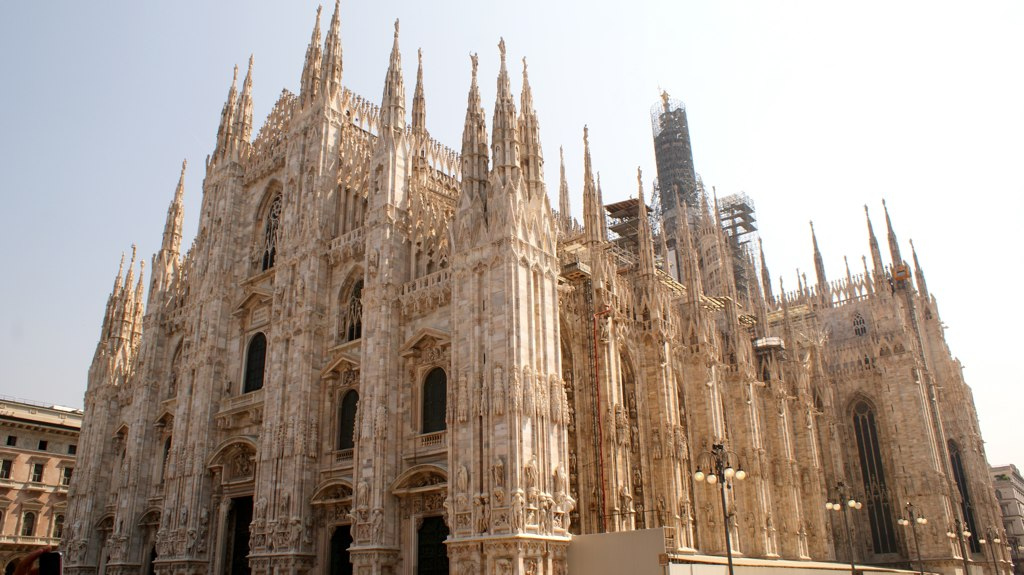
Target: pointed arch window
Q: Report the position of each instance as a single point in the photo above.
(163, 460)
(435, 400)
(860, 327)
(255, 363)
(883, 535)
(271, 231)
(966, 506)
(172, 386)
(347, 420)
(350, 326)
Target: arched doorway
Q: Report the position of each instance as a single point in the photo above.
(431, 554)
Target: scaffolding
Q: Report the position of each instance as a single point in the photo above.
(737, 217)
(673, 154)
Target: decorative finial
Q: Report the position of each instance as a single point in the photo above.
(319, 8)
(501, 48)
(586, 135)
(396, 28)
(234, 77)
(419, 56)
(640, 179)
(475, 59)
(184, 164)
(250, 62)
(524, 66)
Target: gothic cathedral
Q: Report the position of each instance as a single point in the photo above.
(382, 356)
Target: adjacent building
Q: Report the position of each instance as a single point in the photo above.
(383, 356)
(1009, 485)
(38, 444)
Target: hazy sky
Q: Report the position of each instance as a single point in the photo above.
(812, 108)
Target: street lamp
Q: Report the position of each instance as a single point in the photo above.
(724, 468)
(844, 496)
(1016, 548)
(960, 532)
(914, 518)
(991, 540)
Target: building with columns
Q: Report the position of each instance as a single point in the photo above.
(383, 356)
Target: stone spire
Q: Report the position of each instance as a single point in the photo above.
(107, 330)
(876, 254)
(593, 219)
(166, 261)
(922, 286)
(175, 215)
(310, 88)
(331, 67)
(529, 135)
(227, 119)
(819, 270)
(474, 146)
(644, 238)
(766, 278)
(419, 103)
(243, 117)
(564, 208)
(849, 276)
(505, 136)
(392, 108)
(894, 245)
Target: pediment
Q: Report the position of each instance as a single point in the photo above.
(254, 297)
(424, 338)
(332, 492)
(340, 363)
(420, 478)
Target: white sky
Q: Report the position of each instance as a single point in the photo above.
(812, 108)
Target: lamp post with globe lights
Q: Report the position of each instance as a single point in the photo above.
(914, 518)
(845, 502)
(960, 532)
(991, 540)
(724, 468)
(1016, 548)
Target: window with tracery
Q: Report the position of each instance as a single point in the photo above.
(876, 494)
(255, 362)
(347, 420)
(271, 231)
(966, 505)
(350, 324)
(435, 400)
(860, 327)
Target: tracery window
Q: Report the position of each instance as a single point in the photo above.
(860, 327)
(883, 536)
(966, 506)
(172, 387)
(350, 326)
(271, 231)
(255, 362)
(347, 420)
(28, 524)
(163, 460)
(435, 400)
